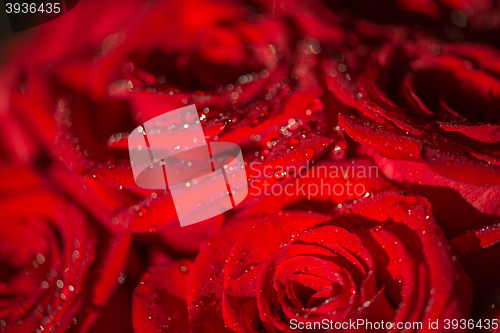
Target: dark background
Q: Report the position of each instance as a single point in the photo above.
(6, 33)
(5, 30)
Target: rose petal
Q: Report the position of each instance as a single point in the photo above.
(159, 300)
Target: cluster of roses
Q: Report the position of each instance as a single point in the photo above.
(409, 87)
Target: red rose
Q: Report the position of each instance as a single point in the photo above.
(428, 112)
(58, 266)
(382, 258)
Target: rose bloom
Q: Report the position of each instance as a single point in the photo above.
(59, 266)
(427, 113)
(381, 258)
(442, 106)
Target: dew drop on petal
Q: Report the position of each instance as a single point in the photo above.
(94, 175)
(143, 211)
(279, 175)
(309, 152)
(294, 143)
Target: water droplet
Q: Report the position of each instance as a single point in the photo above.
(280, 175)
(143, 211)
(197, 303)
(337, 149)
(308, 153)
(294, 143)
(94, 175)
(229, 259)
